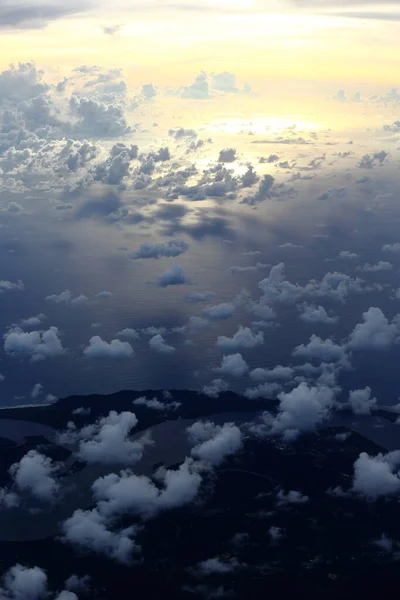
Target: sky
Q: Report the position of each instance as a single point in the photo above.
(194, 191)
(194, 195)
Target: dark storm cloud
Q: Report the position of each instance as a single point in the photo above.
(30, 14)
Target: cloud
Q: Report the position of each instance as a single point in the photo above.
(213, 442)
(277, 373)
(302, 409)
(227, 155)
(216, 565)
(7, 286)
(265, 390)
(37, 390)
(98, 119)
(380, 266)
(313, 314)
(391, 247)
(116, 349)
(36, 14)
(376, 333)
(233, 365)
(130, 494)
(263, 192)
(155, 404)
(321, 350)
(172, 249)
(88, 530)
(36, 345)
(219, 311)
(107, 440)
(24, 583)
(292, 497)
(214, 388)
(369, 161)
(347, 255)
(196, 297)
(243, 338)
(376, 476)
(128, 333)
(173, 276)
(278, 290)
(361, 401)
(35, 473)
(158, 343)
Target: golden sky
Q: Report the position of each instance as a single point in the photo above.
(259, 40)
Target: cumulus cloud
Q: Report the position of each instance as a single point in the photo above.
(34, 473)
(213, 442)
(127, 493)
(173, 276)
(107, 440)
(219, 311)
(227, 155)
(214, 388)
(362, 402)
(243, 338)
(173, 248)
(128, 333)
(155, 404)
(375, 333)
(380, 266)
(302, 409)
(376, 476)
(88, 530)
(116, 349)
(158, 344)
(36, 345)
(233, 365)
(391, 247)
(278, 373)
(24, 583)
(310, 313)
(321, 350)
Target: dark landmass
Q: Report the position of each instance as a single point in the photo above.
(327, 548)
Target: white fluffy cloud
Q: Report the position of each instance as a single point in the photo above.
(35, 345)
(278, 373)
(243, 338)
(24, 583)
(173, 276)
(107, 441)
(35, 473)
(219, 311)
(302, 409)
(310, 313)
(233, 365)
(158, 344)
(376, 476)
(213, 442)
(376, 333)
(361, 401)
(116, 349)
(321, 350)
(88, 530)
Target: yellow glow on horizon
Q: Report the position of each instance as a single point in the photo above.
(254, 46)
